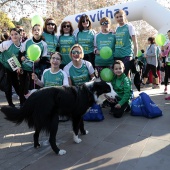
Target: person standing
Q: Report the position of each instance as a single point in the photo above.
(105, 38)
(49, 31)
(85, 37)
(66, 40)
(126, 42)
(29, 66)
(166, 62)
(152, 63)
(10, 49)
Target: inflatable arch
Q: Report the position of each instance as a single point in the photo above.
(148, 10)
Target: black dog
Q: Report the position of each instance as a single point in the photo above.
(42, 109)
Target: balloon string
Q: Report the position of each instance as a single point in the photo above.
(33, 72)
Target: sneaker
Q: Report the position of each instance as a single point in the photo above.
(142, 85)
(156, 87)
(167, 98)
(165, 91)
(12, 105)
(150, 85)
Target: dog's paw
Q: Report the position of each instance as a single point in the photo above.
(76, 139)
(62, 152)
(87, 132)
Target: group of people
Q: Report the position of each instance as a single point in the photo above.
(156, 64)
(73, 57)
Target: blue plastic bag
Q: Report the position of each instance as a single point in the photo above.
(94, 114)
(136, 107)
(144, 106)
(150, 109)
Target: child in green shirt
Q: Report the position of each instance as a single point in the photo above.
(122, 86)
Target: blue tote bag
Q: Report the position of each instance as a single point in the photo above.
(144, 106)
(136, 107)
(94, 114)
(150, 109)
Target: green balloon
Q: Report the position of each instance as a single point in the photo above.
(106, 74)
(106, 52)
(33, 52)
(37, 20)
(160, 39)
(139, 53)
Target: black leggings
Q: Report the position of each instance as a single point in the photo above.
(152, 68)
(167, 74)
(91, 58)
(12, 78)
(118, 113)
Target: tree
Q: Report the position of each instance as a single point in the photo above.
(5, 22)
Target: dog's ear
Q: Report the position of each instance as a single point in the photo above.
(101, 87)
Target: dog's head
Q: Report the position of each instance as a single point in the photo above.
(101, 91)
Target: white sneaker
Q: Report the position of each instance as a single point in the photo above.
(156, 87)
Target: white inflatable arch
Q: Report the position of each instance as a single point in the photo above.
(148, 10)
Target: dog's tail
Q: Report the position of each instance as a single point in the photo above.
(13, 114)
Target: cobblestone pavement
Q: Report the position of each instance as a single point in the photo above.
(129, 143)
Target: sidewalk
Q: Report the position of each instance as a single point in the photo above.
(128, 143)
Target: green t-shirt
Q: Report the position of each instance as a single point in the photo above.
(8, 49)
(80, 75)
(104, 40)
(124, 44)
(65, 43)
(27, 64)
(51, 41)
(52, 79)
(86, 39)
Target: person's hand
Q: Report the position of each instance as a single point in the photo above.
(97, 52)
(34, 77)
(118, 106)
(37, 60)
(22, 58)
(19, 71)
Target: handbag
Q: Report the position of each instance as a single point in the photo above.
(144, 106)
(94, 114)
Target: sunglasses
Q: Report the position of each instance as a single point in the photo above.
(83, 21)
(104, 23)
(76, 52)
(66, 26)
(21, 29)
(52, 24)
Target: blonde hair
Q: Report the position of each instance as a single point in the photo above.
(79, 46)
(123, 13)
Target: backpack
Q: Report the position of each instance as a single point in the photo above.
(144, 106)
